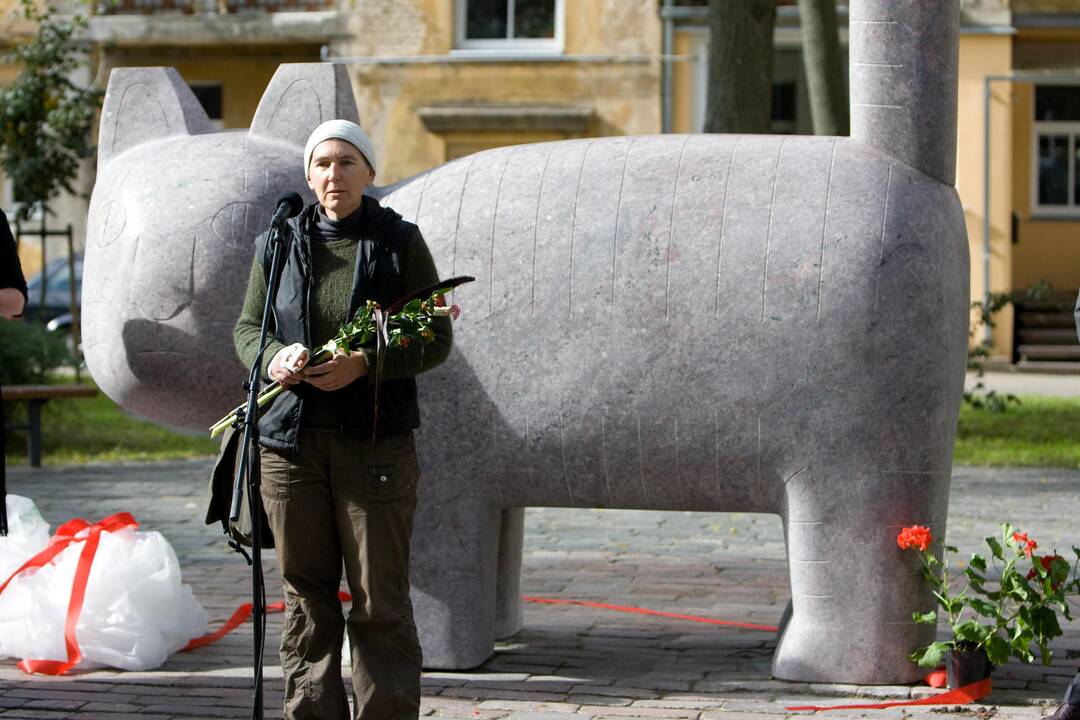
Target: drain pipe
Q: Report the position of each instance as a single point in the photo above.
(666, 80)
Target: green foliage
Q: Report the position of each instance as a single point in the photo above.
(1038, 432)
(45, 119)
(1017, 617)
(96, 430)
(28, 351)
(978, 397)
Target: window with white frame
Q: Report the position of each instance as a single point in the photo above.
(1056, 150)
(509, 25)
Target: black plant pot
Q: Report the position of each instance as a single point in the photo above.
(963, 667)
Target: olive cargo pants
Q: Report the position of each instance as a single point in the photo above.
(338, 498)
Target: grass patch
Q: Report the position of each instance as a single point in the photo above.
(97, 430)
(1037, 432)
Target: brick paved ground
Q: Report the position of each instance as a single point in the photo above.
(569, 662)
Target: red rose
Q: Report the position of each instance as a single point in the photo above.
(914, 536)
(455, 311)
(440, 301)
(403, 341)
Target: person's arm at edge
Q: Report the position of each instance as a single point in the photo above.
(248, 325)
(13, 295)
(418, 357)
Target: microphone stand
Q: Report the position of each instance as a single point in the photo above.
(248, 468)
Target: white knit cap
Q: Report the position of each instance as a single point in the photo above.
(345, 130)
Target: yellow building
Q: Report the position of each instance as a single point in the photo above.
(438, 79)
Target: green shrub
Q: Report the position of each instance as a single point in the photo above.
(28, 351)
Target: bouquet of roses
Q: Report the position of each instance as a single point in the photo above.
(405, 322)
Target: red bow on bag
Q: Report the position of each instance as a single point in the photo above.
(73, 531)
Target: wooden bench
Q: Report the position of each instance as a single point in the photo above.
(36, 396)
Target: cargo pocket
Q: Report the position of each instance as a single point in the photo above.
(386, 483)
(276, 474)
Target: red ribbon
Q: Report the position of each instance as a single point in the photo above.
(959, 696)
(238, 618)
(73, 531)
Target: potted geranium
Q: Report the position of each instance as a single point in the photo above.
(1007, 606)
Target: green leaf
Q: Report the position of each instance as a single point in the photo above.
(997, 649)
(1044, 624)
(982, 607)
(995, 548)
(930, 656)
(929, 618)
(978, 562)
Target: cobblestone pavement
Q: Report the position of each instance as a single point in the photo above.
(569, 661)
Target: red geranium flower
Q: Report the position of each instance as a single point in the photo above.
(1029, 545)
(1046, 561)
(914, 536)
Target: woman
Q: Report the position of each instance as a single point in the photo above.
(12, 302)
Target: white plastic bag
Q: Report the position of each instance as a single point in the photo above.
(28, 534)
(135, 614)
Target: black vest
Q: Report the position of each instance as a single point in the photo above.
(380, 259)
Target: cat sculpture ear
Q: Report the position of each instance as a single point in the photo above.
(300, 97)
(143, 104)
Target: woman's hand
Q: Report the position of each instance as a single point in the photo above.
(287, 367)
(338, 371)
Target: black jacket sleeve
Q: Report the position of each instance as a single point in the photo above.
(11, 275)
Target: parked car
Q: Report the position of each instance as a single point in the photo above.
(57, 281)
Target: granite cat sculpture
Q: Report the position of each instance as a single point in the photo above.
(705, 322)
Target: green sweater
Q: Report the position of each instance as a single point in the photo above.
(333, 264)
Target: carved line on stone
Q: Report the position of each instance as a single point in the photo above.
(810, 562)
(824, 227)
(813, 595)
(797, 474)
(494, 217)
(671, 231)
(536, 224)
(603, 459)
(562, 455)
(876, 64)
(457, 222)
(573, 228)
(618, 217)
(875, 105)
(281, 99)
(768, 232)
(641, 463)
(759, 450)
(723, 218)
(498, 471)
(806, 522)
(716, 454)
(120, 114)
(881, 254)
(420, 201)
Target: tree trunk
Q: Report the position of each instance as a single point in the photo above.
(824, 70)
(740, 65)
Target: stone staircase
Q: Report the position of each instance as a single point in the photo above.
(1045, 334)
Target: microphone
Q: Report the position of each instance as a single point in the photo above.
(288, 205)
